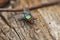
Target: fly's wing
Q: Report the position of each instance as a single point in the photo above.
(18, 16)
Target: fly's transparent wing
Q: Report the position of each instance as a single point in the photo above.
(20, 16)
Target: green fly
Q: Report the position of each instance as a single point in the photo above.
(26, 16)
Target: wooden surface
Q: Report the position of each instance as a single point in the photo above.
(47, 25)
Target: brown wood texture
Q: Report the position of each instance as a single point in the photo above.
(3, 2)
(47, 25)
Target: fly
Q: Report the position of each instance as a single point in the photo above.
(26, 16)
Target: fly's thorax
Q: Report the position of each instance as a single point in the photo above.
(27, 16)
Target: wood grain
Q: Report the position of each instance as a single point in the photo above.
(47, 25)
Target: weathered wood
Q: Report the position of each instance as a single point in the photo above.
(46, 27)
(52, 18)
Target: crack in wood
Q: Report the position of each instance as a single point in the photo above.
(5, 35)
(9, 24)
(31, 8)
